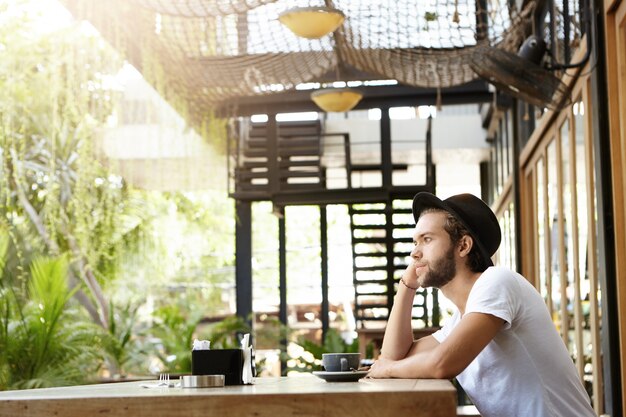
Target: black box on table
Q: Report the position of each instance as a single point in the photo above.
(227, 362)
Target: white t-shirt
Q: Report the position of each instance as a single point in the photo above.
(526, 370)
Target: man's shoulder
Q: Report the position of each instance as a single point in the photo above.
(498, 275)
(499, 270)
(506, 280)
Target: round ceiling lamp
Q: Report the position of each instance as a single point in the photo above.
(336, 99)
(312, 22)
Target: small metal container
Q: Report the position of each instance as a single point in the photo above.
(202, 381)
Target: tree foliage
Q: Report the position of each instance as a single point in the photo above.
(72, 229)
(56, 197)
(41, 341)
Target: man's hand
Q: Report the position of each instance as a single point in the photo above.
(384, 367)
(410, 275)
(381, 368)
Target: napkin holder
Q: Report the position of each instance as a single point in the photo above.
(227, 362)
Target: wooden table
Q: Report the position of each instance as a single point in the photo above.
(268, 397)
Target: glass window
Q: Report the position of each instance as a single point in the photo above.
(581, 199)
(501, 173)
(512, 234)
(568, 268)
(502, 156)
(542, 239)
(493, 173)
(497, 161)
(506, 161)
(504, 247)
(509, 131)
(565, 247)
(584, 290)
(553, 228)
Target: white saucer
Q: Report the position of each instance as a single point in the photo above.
(347, 376)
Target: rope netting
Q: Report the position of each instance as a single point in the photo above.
(210, 52)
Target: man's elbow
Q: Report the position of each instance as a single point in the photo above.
(442, 368)
(444, 373)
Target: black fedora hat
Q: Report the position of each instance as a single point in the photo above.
(474, 215)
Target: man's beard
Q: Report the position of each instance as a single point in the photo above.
(441, 271)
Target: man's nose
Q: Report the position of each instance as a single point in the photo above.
(416, 253)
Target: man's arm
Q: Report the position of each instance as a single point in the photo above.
(445, 360)
(423, 344)
(398, 339)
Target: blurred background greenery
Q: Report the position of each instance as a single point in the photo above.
(99, 278)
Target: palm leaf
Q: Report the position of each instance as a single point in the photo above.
(4, 247)
(47, 344)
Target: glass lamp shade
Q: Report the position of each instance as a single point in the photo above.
(336, 99)
(312, 22)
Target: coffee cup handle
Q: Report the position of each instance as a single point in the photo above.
(344, 364)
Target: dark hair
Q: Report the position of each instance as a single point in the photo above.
(456, 231)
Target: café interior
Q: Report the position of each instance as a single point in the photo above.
(529, 92)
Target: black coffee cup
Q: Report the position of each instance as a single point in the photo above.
(341, 362)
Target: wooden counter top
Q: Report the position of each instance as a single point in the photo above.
(268, 397)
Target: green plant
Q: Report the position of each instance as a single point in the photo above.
(175, 329)
(270, 333)
(56, 197)
(43, 342)
(226, 333)
(123, 346)
(430, 16)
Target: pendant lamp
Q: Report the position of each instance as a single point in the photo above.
(336, 99)
(312, 22)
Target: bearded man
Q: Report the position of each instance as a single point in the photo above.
(501, 343)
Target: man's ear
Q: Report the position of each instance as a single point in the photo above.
(465, 245)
